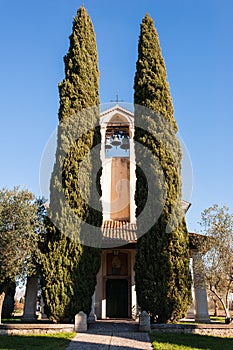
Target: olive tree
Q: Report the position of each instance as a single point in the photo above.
(19, 238)
(217, 250)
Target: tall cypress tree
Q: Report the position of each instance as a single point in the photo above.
(162, 261)
(71, 261)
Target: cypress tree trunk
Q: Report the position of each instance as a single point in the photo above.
(71, 261)
(163, 279)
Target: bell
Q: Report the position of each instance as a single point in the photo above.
(116, 142)
(125, 143)
(108, 144)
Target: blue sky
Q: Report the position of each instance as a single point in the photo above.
(196, 41)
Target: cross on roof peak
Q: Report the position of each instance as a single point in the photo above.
(117, 99)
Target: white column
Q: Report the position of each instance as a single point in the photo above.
(42, 305)
(29, 313)
(134, 306)
(92, 316)
(99, 292)
(106, 188)
(104, 273)
(200, 302)
(106, 177)
(132, 177)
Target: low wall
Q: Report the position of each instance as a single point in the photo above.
(202, 329)
(223, 330)
(33, 328)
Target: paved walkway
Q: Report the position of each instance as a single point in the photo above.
(109, 335)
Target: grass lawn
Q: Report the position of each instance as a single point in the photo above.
(173, 341)
(218, 319)
(58, 341)
(12, 320)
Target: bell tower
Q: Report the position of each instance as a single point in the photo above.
(118, 161)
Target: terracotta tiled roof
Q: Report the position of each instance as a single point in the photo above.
(118, 233)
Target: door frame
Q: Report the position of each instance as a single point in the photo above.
(107, 277)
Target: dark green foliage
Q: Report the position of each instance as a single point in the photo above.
(79, 89)
(70, 265)
(69, 277)
(162, 261)
(151, 88)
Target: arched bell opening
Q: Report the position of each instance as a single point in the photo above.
(117, 137)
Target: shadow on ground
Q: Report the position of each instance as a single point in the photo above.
(111, 335)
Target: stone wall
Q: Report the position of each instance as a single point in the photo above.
(202, 329)
(15, 329)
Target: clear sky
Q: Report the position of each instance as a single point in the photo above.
(196, 41)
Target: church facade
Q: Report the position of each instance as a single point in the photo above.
(115, 294)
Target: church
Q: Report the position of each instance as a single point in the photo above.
(115, 294)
